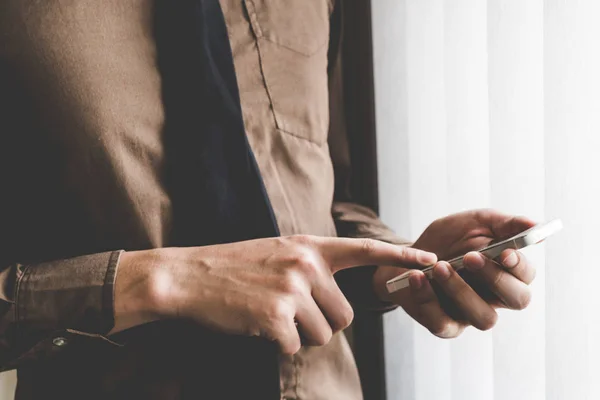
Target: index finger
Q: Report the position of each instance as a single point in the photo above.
(342, 253)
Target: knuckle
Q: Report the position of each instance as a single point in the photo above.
(280, 241)
(488, 321)
(303, 239)
(497, 280)
(523, 300)
(279, 314)
(404, 251)
(347, 317)
(343, 319)
(279, 311)
(324, 337)
(291, 348)
(292, 283)
(446, 329)
(441, 330)
(368, 245)
(306, 261)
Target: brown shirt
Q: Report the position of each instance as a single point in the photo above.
(81, 166)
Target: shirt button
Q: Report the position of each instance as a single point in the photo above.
(59, 342)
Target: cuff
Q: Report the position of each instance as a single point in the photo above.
(75, 294)
(357, 286)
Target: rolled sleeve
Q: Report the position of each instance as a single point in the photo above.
(49, 305)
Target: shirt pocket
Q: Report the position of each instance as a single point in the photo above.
(292, 38)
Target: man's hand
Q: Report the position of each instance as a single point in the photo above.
(452, 301)
(276, 288)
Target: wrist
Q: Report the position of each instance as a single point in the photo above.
(163, 291)
(137, 300)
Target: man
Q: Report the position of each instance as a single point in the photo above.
(125, 127)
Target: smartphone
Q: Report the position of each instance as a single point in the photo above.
(526, 238)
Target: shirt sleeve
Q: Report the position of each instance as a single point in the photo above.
(351, 219)
(49, 306)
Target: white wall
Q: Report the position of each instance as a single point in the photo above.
(495, 103)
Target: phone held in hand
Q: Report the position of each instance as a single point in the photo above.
(526, 238)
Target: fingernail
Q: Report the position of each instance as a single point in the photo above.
(477, 261)
(426, 258)
(415, 281)
(511, 260)
(443, 271)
